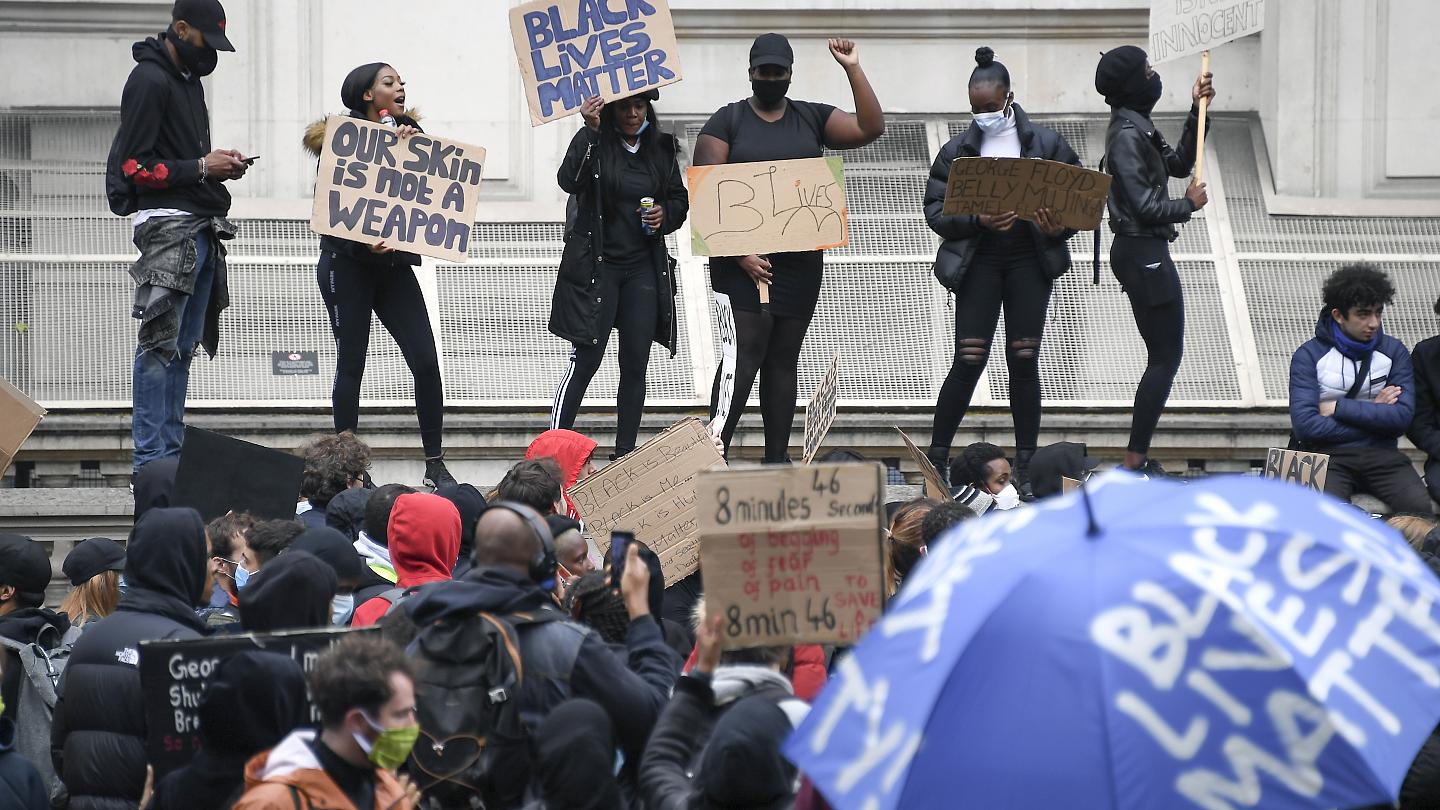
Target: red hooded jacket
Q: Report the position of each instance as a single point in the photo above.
(424, 534)
(571, 450)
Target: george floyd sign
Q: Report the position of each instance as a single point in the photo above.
(986, 185)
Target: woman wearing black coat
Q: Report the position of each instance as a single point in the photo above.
(615, 272)
(989, 261)
(1143, 219)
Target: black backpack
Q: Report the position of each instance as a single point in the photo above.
(467, 699)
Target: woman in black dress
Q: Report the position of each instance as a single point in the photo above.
(769, 126)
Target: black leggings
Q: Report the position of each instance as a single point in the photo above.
(629, 304)
(352, 290)
(770, 345)
(1012, 277)
(1144, 268)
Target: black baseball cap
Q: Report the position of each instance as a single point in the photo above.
(771, 49)
(92, 557)
(24, 565)
(206, 16)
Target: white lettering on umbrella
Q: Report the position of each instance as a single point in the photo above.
(1302, 579)
(896, 744)
(1216, 792)
(1180, 746)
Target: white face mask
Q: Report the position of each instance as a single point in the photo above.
(991, 122)
(341, 606)
(1007, 498)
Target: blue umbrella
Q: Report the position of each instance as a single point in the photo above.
(1234, 643)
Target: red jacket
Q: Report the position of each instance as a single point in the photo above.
(807, 670)
(424, 534)
(571, 450)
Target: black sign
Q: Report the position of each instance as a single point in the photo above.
(218, 473)
(174, 674)
(291, 364)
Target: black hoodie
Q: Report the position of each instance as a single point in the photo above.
(164, 132)
(98, 737)
(292, 592)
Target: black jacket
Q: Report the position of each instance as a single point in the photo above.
(575, 307)
(26, 626)
(164, 131)
(962, 234)
(98, 737)
(1142, 163)
(1425, 428)
(21, 787)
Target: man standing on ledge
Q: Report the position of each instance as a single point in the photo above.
(161, 169)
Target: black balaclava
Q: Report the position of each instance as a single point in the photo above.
(357, 81)
(165, 561)
(575, 758)
(292, 592)
(1120, 78)
(199, 60)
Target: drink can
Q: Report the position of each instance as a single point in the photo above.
(646, 203)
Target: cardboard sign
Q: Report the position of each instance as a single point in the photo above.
(218, 473)
(777, 206)
(1068, 485)
(793, 555)
(418, 195)
(292, 364)
(651, 492)
(820, 413)
(725, 325)
(18, 417)
(570, 50)
(1296, 467)
(934, 484)
(983, 185)
(1184, 27)
(174, 674)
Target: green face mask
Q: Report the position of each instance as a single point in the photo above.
(392, 747)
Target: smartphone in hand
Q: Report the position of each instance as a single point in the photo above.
(619, 547)
(250, 161)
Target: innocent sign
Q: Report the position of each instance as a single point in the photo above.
(419, 194)
(574, 49)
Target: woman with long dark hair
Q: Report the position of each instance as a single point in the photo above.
(615, 272)
(770, 126)
(357, 279)
(990, 261)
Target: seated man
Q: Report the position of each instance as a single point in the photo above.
(1352, 394)
(1425, 428)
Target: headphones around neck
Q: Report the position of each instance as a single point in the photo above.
(542, 565)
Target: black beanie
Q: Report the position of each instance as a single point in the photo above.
(357, 81)
(1120, 74)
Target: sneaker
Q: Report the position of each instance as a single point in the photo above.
(1152, 469)
(436, 475)
(941, 462)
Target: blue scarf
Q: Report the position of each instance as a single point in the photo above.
(1350, 347)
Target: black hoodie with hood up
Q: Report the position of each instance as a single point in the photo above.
(98, 737)
(164, 131)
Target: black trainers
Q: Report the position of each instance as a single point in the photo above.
(1021, 475)
(1152, 469)
(941, 462)
(436, 475)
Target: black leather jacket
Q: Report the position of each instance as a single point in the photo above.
(1142, 163)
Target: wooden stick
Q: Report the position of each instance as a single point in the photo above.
(1204, 109)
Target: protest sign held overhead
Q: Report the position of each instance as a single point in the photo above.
(651, 492)
(1296, 467)
(934, 483)
(820, 413)
(218, 473)
(793, 555)
(419, 194)
(983, 185)
(174, 675)
(18, 417)
(571, 50)
(1185, 27)
(776, 206)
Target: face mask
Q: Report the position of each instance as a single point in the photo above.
(991, 122)
(392, 747)
(1149, 95)
(199, 60)
(770, 92)
(341, 606)
(1007, 498)
(241, 576)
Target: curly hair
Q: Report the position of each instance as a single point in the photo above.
(1357, 285)
(591, 601)
(332, 461)
(942, 518)
(355, 674)
(969, 466)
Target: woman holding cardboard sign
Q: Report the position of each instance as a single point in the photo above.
(769, 126)
(615, 272)
(357, 279)
(990, 261)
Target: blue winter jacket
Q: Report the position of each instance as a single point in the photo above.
(1320, 373)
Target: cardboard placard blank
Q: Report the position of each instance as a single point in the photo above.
(418, 195)
(651, 492)
(775, 206)
(793, 555)
(1297, 467)
(1181, 28)
(1069, 485)
(570, 50)
(820, 413)
(19, 414)
(986, 185)
(174, 675)
(934, 484)
(218, 473)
